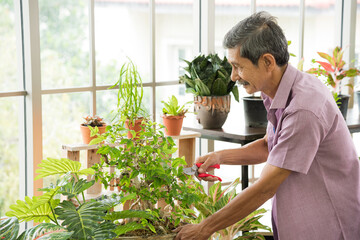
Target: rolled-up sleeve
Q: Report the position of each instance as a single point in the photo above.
(296, 141)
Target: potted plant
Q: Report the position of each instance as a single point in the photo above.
(130, 109)
(208, 78)
(173, 115)
(67, 217)
(161, 194)
(90, 128)
(332, 72)
(217, 198)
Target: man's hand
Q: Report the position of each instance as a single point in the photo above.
(191, 232)
(208, 160)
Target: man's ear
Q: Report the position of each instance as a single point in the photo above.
(269, 61)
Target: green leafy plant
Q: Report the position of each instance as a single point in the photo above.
(172, 107)
(71, 218)
(332, 71)
(146, 169)
(130, 93)
(93, 121)
(209, 76)
(217, 199)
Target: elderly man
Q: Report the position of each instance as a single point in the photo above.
(312, 169)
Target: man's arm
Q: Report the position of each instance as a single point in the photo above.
(253, 153)
(245, 203)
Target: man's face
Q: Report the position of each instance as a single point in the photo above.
(250, 76)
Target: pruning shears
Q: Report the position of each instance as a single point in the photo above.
(194, 171)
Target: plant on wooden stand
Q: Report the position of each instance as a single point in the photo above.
(91, 126)
(130, 109)
(208, 78)
(332, 72)
(162, 194)
(173, 115)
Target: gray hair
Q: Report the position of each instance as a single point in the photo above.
(257, 35)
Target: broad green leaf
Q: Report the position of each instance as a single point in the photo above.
(52, 166)
(122, 229)
(45, 198)
(105, 231)
(82, 220)
(23, 210)
(46, 231)
(9, 228)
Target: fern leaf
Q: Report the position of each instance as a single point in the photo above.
(122, 229)
(52, 166)
(24, 212)
(128, 214)
(45, 231)
(81, 221)
(9, 228)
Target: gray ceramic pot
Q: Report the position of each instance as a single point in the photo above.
(212, 111)
(254, 112)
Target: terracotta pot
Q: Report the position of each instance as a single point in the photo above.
(173, 124)
(85, 132)
(212, 111)
(155, 237)
(137, 126)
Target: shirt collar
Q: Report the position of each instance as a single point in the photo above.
(283, 91)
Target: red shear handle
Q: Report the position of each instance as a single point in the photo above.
(217, 166)
(202, 175)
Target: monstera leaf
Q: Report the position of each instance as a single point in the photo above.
(9, 228)
(73, 188)
(105, 231)
(25, 211)
(52, 166)
(45, 231)
(82, 220)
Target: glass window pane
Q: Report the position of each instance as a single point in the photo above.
(122, 30)
(357, 45)
(288, 19)
(62, 116)
(64, 43)
(8, 51)
(164, 92)
(174, 37)
(227, 14)
(9, 152)
(106, 104)
(319, 32)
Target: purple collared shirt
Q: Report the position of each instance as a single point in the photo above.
(308, 135)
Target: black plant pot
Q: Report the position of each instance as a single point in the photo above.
(358, 98)
(255, 112)
(343, 104)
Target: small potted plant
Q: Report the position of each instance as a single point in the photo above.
(91, 126)
(173, 115)
(332, 72)
(208, 78)
(130, 109)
